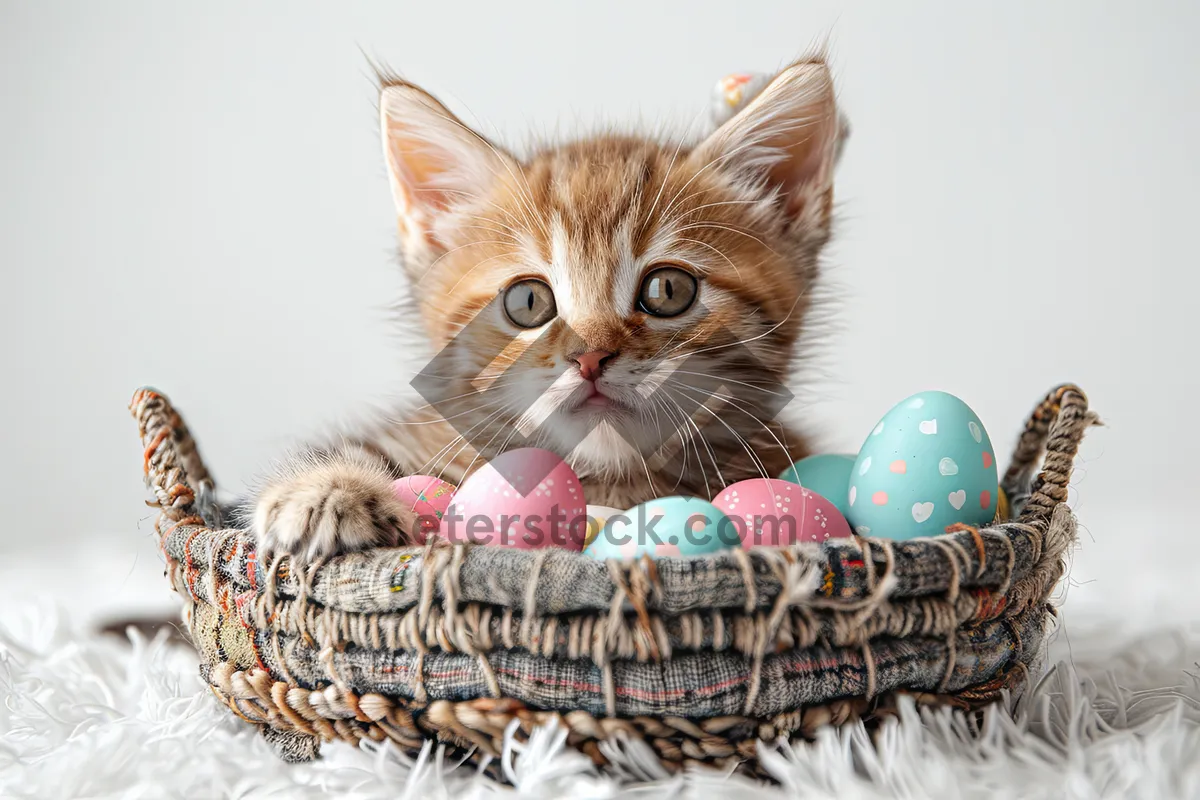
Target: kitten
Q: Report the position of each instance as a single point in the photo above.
(596, 299)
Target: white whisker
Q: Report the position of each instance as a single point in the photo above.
(733, 401)
(765, 333)
(762, 470)
(726, 380)
(728, 260)
(731, 229)
(438, 260)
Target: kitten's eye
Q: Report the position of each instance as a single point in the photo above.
(529, 303)
(667, 292)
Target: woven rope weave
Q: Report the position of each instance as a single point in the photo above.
(699, 657)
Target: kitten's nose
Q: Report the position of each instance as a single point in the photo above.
(591, 364)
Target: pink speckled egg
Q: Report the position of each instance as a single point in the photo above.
(428, 498)
(527, 498)
(774, 513)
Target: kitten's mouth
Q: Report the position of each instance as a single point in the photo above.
(592, 398)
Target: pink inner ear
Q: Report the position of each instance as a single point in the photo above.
(418, 168)
(790, 132)
(434, 160)
(806, 175)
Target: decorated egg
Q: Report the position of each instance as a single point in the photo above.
(428, 498)
(928, 463)
(669, 526)
(598, 516)
(527, 498)
(828, 475)
(775, 512)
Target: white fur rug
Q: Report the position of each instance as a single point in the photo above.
(85, 716)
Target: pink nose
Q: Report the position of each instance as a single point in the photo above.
(591, 364)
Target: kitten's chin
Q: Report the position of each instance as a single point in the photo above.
(604, 449)
(600, 433)
(599, 403)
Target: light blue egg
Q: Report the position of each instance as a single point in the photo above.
(669, 526)
(929, 463)
(828, 475)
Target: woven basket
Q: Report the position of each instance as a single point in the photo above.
(698, 657)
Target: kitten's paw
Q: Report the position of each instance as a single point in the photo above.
(327, 506)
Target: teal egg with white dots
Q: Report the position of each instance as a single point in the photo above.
(827, 474)
(929, 463)
(668, 526)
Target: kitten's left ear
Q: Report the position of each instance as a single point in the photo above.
(789, 136)
(435, 161)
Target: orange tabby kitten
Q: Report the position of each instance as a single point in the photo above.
(568, 283)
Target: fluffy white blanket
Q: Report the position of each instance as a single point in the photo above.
(90, 717)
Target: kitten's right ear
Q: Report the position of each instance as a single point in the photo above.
(435, 161)
(790, 136)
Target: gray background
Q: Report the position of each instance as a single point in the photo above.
(193, 197)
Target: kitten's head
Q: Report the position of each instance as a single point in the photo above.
(608, 288)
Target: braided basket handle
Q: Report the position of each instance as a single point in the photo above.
(182, 485)
(1055, 427)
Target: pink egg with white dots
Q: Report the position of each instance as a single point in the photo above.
(427, 498)
(527, 498)
(773, 513)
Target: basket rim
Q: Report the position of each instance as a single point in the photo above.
(380, 580)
